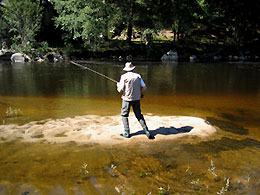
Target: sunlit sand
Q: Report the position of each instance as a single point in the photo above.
(92, 129)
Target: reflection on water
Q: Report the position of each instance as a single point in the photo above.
(227, 95)
(182, 78)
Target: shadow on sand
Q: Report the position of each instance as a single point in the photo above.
(164, 131)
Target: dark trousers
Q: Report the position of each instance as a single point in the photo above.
(126, 105)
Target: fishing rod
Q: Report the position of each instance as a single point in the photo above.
(98, 73)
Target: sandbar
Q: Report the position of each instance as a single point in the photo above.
(93, 129)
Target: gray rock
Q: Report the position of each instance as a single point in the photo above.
(53, 57)
(17, 58)
(27, 58)
(217, 58)
(193, 58)
(170, 56)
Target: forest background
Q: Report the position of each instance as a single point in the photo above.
(147, 28)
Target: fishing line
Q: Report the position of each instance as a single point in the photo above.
(98, 73)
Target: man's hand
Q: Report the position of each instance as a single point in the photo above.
(143, 89)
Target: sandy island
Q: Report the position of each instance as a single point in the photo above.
(91, 129)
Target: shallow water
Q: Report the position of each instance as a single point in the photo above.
(225, 94)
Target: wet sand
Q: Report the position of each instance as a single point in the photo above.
(93, 129)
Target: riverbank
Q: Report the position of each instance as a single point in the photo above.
(93, 129)
(120, 50)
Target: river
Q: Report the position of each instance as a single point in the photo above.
(225, 94)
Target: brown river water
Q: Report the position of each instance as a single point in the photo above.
(225, 94)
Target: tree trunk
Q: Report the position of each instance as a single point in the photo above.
(129, 32)
(130, 22)
(106, 21)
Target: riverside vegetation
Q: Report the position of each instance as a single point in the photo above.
(104, 28)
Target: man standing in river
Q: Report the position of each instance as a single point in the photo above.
(131, 85)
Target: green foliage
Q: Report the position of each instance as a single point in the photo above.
(118, 16)
(83, 20)
(91, 23)
(22, 20)
(43, 47)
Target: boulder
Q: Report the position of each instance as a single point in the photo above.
(164, 57)
(193, 58)
(53, 57)
(17, 58)
(217, 58)
(39, 59)
(229, 58)
(170, 56)
(241, 58)
(27, 58)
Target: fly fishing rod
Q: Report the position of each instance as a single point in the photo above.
(98, 73)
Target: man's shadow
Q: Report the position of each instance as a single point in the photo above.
(164, 131)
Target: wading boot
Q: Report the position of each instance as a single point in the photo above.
(148, 134)
(126, 134)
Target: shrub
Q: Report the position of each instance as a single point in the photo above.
(22, 19)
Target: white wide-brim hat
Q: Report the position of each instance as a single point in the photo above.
(129, 66)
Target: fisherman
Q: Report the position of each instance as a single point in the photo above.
(131, 85)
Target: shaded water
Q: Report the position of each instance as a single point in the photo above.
(227, 95)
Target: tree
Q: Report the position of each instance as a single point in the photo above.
(131, 15)
(22, 20)
(83, 20)
(241, 21)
